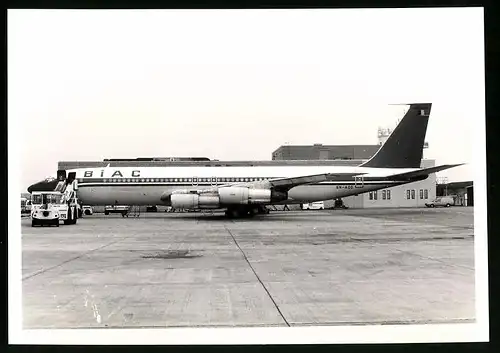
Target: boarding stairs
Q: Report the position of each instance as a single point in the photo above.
(61, 186)
(134, 211)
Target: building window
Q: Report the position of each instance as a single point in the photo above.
(371, 195)
(413, 194)
(383, 194)
(388, 194)
(426, 195)
(407, 194)
(375, 195)
(421, 194)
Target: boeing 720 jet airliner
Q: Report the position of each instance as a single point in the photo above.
(244, 191)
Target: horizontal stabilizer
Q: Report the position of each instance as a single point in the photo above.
(422, 172)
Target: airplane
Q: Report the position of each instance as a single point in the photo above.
(246, 191)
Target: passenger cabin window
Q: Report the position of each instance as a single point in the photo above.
(383, 194)
(426, 195)
(388, 194)
(407, 194)
(421, 194)
(371, 195)
(375, 195)
(413, 194)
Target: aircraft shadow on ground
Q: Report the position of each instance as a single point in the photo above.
(273, 217)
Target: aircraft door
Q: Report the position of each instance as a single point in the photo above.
(61, 175)
(358, 181)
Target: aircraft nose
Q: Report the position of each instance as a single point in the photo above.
(44, 185)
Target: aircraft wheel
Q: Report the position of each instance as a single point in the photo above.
(233, 213)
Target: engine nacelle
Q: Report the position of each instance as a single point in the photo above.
(194, 201)
(277, 196)
(226, 196)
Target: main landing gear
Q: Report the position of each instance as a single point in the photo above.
(246, 212)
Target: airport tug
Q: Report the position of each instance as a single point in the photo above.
(49, 207)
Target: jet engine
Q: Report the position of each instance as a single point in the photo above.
(226, 196)
(244, 196)
(193, 201)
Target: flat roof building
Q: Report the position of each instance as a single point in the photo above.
(409, 195)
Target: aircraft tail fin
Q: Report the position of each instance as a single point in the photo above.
(404, 147)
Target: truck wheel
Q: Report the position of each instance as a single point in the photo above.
(69, 217)
(431, 206)
(448, 205)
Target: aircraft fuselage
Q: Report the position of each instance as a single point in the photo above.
(146, 185)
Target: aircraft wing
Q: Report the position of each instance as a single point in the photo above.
(288, 183)
(422, 172)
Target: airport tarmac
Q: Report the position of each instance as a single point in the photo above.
(291, 268)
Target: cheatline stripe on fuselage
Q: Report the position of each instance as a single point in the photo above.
(208, 184)
(217, 180)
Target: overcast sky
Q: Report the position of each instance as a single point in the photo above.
(237, 84)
